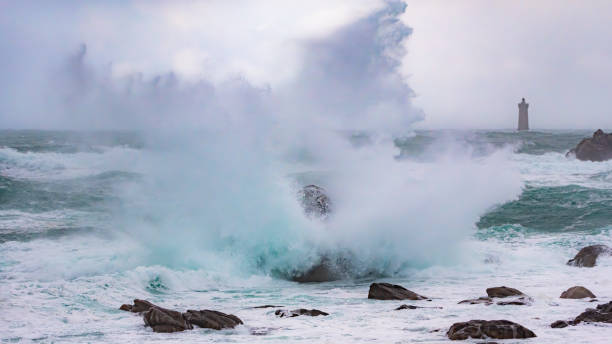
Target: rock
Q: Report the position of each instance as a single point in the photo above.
(596, 148)
(577, 292)
(266, 306)
(587, 257)
(165, 320)
(314, 201)
(486, 300)
(139, 306)
(297, 312)
(503, 292)
(324, 271)
(603, 313)
(211, 319)
(387, 291)
(559, 324)
(519, 301)
(413, 307)
(481, 329)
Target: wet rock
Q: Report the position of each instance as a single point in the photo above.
(577, 292)
(413, 307)
(324, 271)
(602, 313)
(481, 329)
(211, 319)
(266, 306)
(519, 301)
(165, 320)
(559, 324)
(297, 312)
(587, 257)
(481, 300)
(139, 306)
(596, 148)
(388, 291)
(503, 292)
(314, 201)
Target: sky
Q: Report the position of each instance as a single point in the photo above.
(467, 62)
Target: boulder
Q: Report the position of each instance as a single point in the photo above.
(481, 329)
(587, 256)
(577, 292)
(387, 291)
(211, 319)
(324, 271)
(596, 148)
(503, 292)
(297, 312)
(560, 324)
(165, 320)
(314, 201)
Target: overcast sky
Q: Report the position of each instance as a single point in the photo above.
(469, 62)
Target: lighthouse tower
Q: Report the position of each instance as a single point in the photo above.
(523, 122)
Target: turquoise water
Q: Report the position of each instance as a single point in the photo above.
(89, 221)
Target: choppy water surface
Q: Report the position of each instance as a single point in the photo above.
(80, 235)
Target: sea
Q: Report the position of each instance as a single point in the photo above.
(92, 220)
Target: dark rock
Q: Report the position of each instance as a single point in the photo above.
(211, 319)
(266, 306)
(486, 300)
(603, 313)
(587, 257)
(314, 201)
(324, 271)
(503, 292)
(165, 320)
(387, 291)
(413, 307)
(519, 301)
(559, 324)
(139, 306)
(596, 148)
(577, 292)
(297, 312)
(481, 329)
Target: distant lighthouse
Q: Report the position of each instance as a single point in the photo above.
(523, 122)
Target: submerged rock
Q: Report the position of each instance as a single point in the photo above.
(314, 201)
(388, 291)
(297, 312)
(481, 300)
(503, 292)
(596, 148)
(480, 329)
(324, 271)
(266, 306)
(587, 256)
(560, 324)
(577, 292)
(212, 319)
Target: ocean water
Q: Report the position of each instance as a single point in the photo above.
(91, 220)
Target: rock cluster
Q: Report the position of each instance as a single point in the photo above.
(165, 320)
(602, 313)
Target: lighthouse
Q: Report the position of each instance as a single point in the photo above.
(523, 122)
